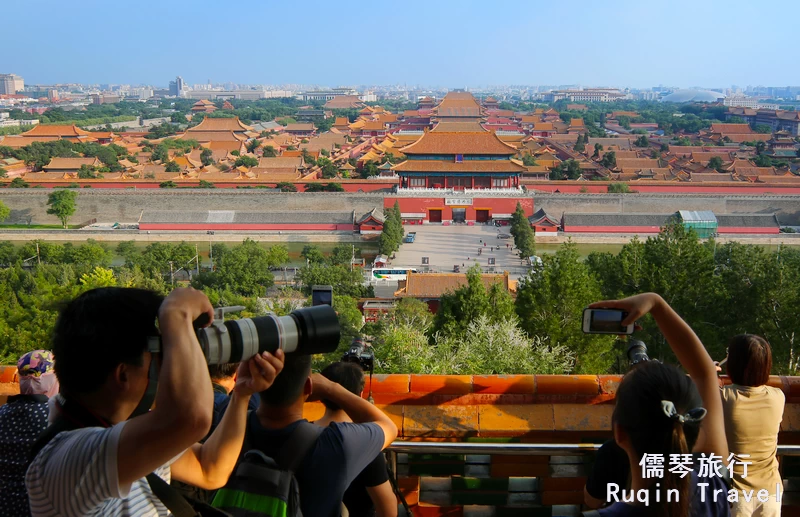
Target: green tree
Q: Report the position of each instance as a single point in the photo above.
(99, 277)
(252, 145)
(344, 281)
(524, 237)
(62, 205)
(206, 157)
(392, 233)
(550, 302)
(642, 141)
(18, 183)
(329, 170)
(370, 170)
(5, 212)
(761, 146)
(167, 184)
(172, 167)
(762, 128)
(246, 161)
(464, 305)
(528, 160)
(597, 149)
(570, 169)
(619, 188)
(579, 145)
(269, 152)
(206, 184)
(333, 187)
(609, 160)
(312, 254)
(285, 186)
(244, 269)
(715, 163)
(341, 255)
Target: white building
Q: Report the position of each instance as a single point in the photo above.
(245, 95)
(748, 102)
(586, 95)
(11, 84)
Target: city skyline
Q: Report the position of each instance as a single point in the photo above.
(440, 45)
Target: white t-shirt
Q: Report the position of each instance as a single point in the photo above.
(76, 475)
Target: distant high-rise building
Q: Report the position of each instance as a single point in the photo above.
(176, 86)
(11, 83)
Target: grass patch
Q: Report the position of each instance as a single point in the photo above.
(36, 227)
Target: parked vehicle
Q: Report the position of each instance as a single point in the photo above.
(410, 237)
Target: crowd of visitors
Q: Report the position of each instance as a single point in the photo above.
(110, 424)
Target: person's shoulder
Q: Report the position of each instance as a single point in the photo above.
(776, 393)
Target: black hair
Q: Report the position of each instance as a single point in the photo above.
(99, 330)
(288, 385)
(749, 360)
(639, 413)
(222, 371)
(349, 375)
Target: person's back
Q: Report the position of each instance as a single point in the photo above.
(22, 419)
(753, 415)
(341, 450)
(370, 493)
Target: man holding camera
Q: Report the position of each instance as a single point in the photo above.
(113, 456)
(341, 450)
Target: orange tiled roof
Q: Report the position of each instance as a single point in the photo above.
(641, 163)
(435, 142)
(60, 131)
(16, 142)
(341, 121)
(220, 124)
(344, 102)
(576, 122)
(214, 136)
(434, 285)
(731, 129)
(373, 125)
(748, 137)
(300, 127)
(447, 126)
(70, 163)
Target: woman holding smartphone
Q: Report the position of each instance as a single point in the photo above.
(659, 412)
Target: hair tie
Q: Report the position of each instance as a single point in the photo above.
(693, 416)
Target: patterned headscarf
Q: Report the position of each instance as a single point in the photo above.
(36, 363)
(36, 374)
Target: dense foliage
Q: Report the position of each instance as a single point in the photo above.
(719, 289)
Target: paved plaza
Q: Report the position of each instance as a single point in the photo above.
(462, 245)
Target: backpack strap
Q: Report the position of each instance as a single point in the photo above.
(297, 447)
(172, 499)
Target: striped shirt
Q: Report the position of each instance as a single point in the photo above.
(76, 475)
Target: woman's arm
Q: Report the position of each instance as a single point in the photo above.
(693, 357)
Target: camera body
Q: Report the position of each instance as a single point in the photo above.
(360, 353)
(637, 352)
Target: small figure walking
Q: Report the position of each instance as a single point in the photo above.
(506, 245)
(484, 244)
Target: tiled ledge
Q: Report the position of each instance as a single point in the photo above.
(529, 407)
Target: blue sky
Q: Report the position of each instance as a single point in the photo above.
(435, 43)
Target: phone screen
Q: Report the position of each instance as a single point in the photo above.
(607, 320)
(321, 297)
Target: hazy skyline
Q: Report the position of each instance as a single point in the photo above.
(446, 44)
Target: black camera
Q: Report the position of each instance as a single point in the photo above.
(361, 354)
(311, 330)
(637, 352)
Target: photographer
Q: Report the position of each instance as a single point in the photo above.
(109, 441)
(338, 452)
(659, 412)
(370, 494)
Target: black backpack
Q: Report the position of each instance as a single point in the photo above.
(261, 486)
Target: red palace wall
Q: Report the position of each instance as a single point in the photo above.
(495, 205)
(656, 229)
(212, 226)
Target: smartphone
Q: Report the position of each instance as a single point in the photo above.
(605, 321)
(321, 295)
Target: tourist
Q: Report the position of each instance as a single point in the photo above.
(370, 494)
(337, 454)
(658, 414)
(22, 419)
(108, 448)
(753, 414)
